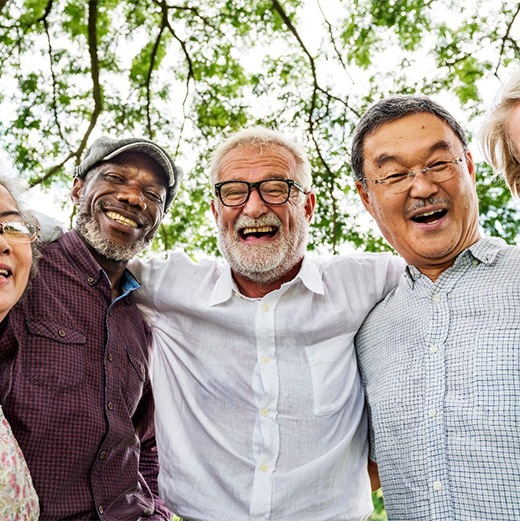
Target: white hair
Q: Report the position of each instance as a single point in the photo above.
(263, 137)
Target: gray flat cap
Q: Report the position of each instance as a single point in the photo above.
(106, 148)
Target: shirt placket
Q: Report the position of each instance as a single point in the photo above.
(437, 350)
(110, 358)
(266, 458)
(434, 406)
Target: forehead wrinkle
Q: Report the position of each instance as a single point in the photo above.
(247, 159)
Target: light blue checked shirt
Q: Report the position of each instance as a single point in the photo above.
(441, 365)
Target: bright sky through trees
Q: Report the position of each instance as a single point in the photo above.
(188, 73)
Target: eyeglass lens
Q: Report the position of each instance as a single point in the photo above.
(18, 231)
(438, 173)
(272, 191)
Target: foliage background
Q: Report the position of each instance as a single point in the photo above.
(187, 73)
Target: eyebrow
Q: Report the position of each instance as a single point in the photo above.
(8, 213)
(382, 159)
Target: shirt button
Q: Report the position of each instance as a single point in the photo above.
(437, 485)
(110, 405)
(265, 412)
(266, 307)
(110, 357)
(90, 280)
(100, 509)
(436, 297)
(103, 455)
(266, 359)
(434, 349)
(474, 262)
(432, 413)
(61, 332)
(264, 468)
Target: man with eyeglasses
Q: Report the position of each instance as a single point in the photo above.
(440, 356)
(75, 355)
(259, 406)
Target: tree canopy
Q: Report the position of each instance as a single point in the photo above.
(188, 73)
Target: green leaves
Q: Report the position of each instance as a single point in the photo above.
(188, 73)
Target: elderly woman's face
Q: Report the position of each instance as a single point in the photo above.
(15, 258)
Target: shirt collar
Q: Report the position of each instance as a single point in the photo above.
(225, 286)
(484, 251)
(128, 283)
(80, 256)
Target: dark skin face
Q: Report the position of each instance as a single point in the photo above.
(125, 196)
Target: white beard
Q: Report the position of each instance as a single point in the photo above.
(264, 262)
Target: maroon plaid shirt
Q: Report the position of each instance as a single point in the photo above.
(76, 390)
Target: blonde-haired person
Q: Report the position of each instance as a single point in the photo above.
(500, 133)
(18, 254)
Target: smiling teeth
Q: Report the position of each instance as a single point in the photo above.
(262, 229)
(4, 273)
(121, 219)
(427, 214)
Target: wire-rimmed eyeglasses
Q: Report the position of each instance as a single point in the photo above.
(438, 172)
(271, 191)
(18, 231)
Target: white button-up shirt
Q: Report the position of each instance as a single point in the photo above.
(259, 406)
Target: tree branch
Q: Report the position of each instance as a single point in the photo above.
(506, 38)
(96, 92)
(54, 103)
(94, 74)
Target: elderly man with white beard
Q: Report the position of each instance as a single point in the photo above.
(259, 405)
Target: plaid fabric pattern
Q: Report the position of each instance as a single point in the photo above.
(441, 365)
(76, 391)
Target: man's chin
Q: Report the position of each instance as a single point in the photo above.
(103, 246)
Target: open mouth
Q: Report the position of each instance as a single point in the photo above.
(5, 273)
(258, 232)
(429, 217)
(121, 219)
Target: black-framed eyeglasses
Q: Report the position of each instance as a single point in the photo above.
(438, 172)
(18, 231)
(271, 191)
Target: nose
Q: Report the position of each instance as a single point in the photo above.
(132, 195)
(5, 246)
(422, 186)
(255, 206)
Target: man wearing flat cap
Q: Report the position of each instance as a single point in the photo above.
(74, 357)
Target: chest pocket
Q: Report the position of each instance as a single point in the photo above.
(334, 374)
(54, 355)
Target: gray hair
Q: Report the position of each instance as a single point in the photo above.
(263, 137)
(495, 139)
(17, 191)
(390, 109)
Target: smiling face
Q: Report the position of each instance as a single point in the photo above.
(121, 204)
(263, 243)
(430, 223)
(15, 258)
